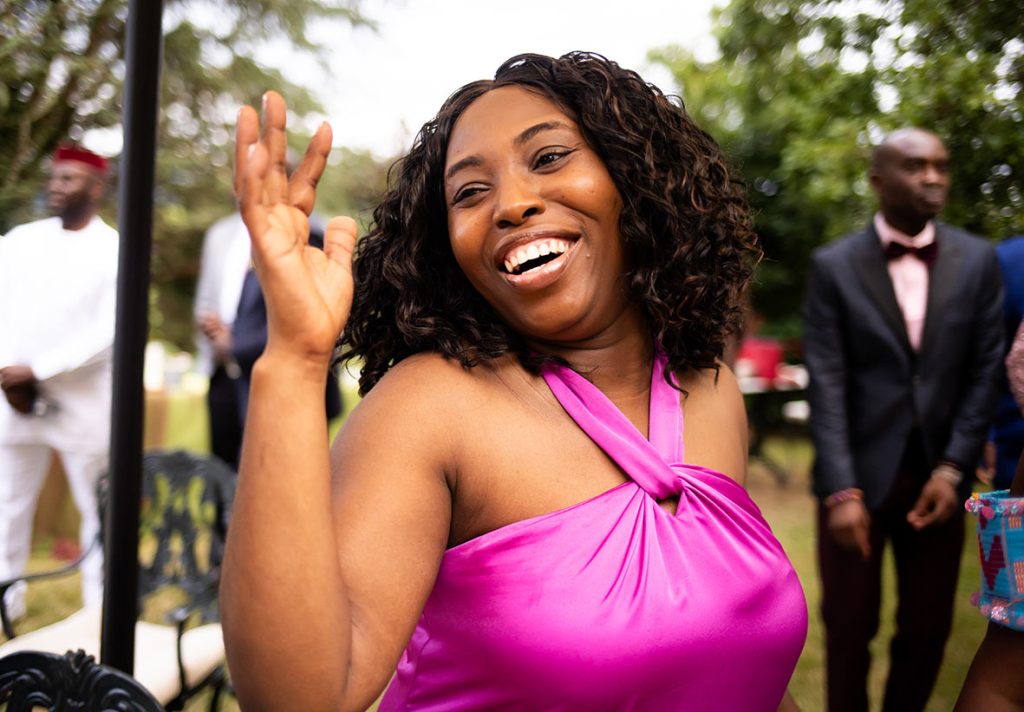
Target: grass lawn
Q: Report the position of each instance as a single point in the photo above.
(789, 509)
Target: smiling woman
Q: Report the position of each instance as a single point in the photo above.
(513, 517)
(523, 179)
(687, 223)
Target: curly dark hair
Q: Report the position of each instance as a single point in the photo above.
(685, 223)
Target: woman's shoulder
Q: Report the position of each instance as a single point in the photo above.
(430, 382)
(430, 370)
(715, 420)
(715, 391)
(427, 406)
(718, 383)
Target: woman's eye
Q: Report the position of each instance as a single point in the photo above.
(546, 158)
(465, 193)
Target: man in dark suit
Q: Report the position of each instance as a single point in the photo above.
(903, 339)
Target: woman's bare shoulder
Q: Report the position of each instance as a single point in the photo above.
(431, 377)
(717, 382)
(427, 393)
(417, 422)
(715, 420)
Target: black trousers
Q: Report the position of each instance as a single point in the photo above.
(927, 568)
(225, 423)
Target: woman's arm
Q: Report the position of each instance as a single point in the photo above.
(322, 580)
(327, 575)
(788, 704)
(995, 682)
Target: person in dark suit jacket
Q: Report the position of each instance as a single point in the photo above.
(249, 337)
(903, 339)
(1008, 424)
(237, 345)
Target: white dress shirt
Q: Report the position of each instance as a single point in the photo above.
(225, 260)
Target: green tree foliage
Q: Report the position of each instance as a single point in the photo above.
(803, 89)
(61, 70)
(352, 184)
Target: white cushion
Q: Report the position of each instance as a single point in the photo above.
(156, 665)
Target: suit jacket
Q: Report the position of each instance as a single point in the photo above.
(1008, 423)
(868, 388)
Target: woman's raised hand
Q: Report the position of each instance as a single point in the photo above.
(308, 291)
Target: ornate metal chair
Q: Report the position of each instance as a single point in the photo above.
(73, 681)
(186, 504)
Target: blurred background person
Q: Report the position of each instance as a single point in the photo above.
(224, 263)
(58, 291)
(1008, 425)
(904, 341)
(231, 320)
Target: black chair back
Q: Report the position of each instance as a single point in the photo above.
(186, 505)
(73, 681)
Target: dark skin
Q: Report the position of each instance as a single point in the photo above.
(995, 682)
(19, 387)
(910, 176)
(219, 335)
(74, 191)
(522, 170)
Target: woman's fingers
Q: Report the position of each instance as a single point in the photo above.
(274, 208)
(247, 133)
(339, 247)
(275, 140)
(250, 167)
(340, 241)
(340, 238)
(250, 183)
(302, 186)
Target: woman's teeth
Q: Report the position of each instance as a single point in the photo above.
(534, 255)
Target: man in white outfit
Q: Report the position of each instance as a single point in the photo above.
(58, 288)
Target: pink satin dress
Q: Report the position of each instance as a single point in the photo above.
(614, 603)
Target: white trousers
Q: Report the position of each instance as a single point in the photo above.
(23, 471)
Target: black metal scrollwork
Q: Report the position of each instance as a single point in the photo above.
(73, 682)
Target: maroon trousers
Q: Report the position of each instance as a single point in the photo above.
(927, 567)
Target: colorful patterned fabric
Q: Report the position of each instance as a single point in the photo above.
(1001, 548)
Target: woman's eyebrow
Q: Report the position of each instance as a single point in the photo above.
(467, 162)
(519, 140)
(536, 129)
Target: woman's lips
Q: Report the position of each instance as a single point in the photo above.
(544, 275)
(523, 253)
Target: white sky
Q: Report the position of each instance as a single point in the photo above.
(384, 85)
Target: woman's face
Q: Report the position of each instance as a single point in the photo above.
(533, 218)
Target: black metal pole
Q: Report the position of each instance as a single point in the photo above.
(143, 44)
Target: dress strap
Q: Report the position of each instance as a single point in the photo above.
(665, 428)
(646, 462)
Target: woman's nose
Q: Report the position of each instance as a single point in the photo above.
(518, 200)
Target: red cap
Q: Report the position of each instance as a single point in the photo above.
(69, 152)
